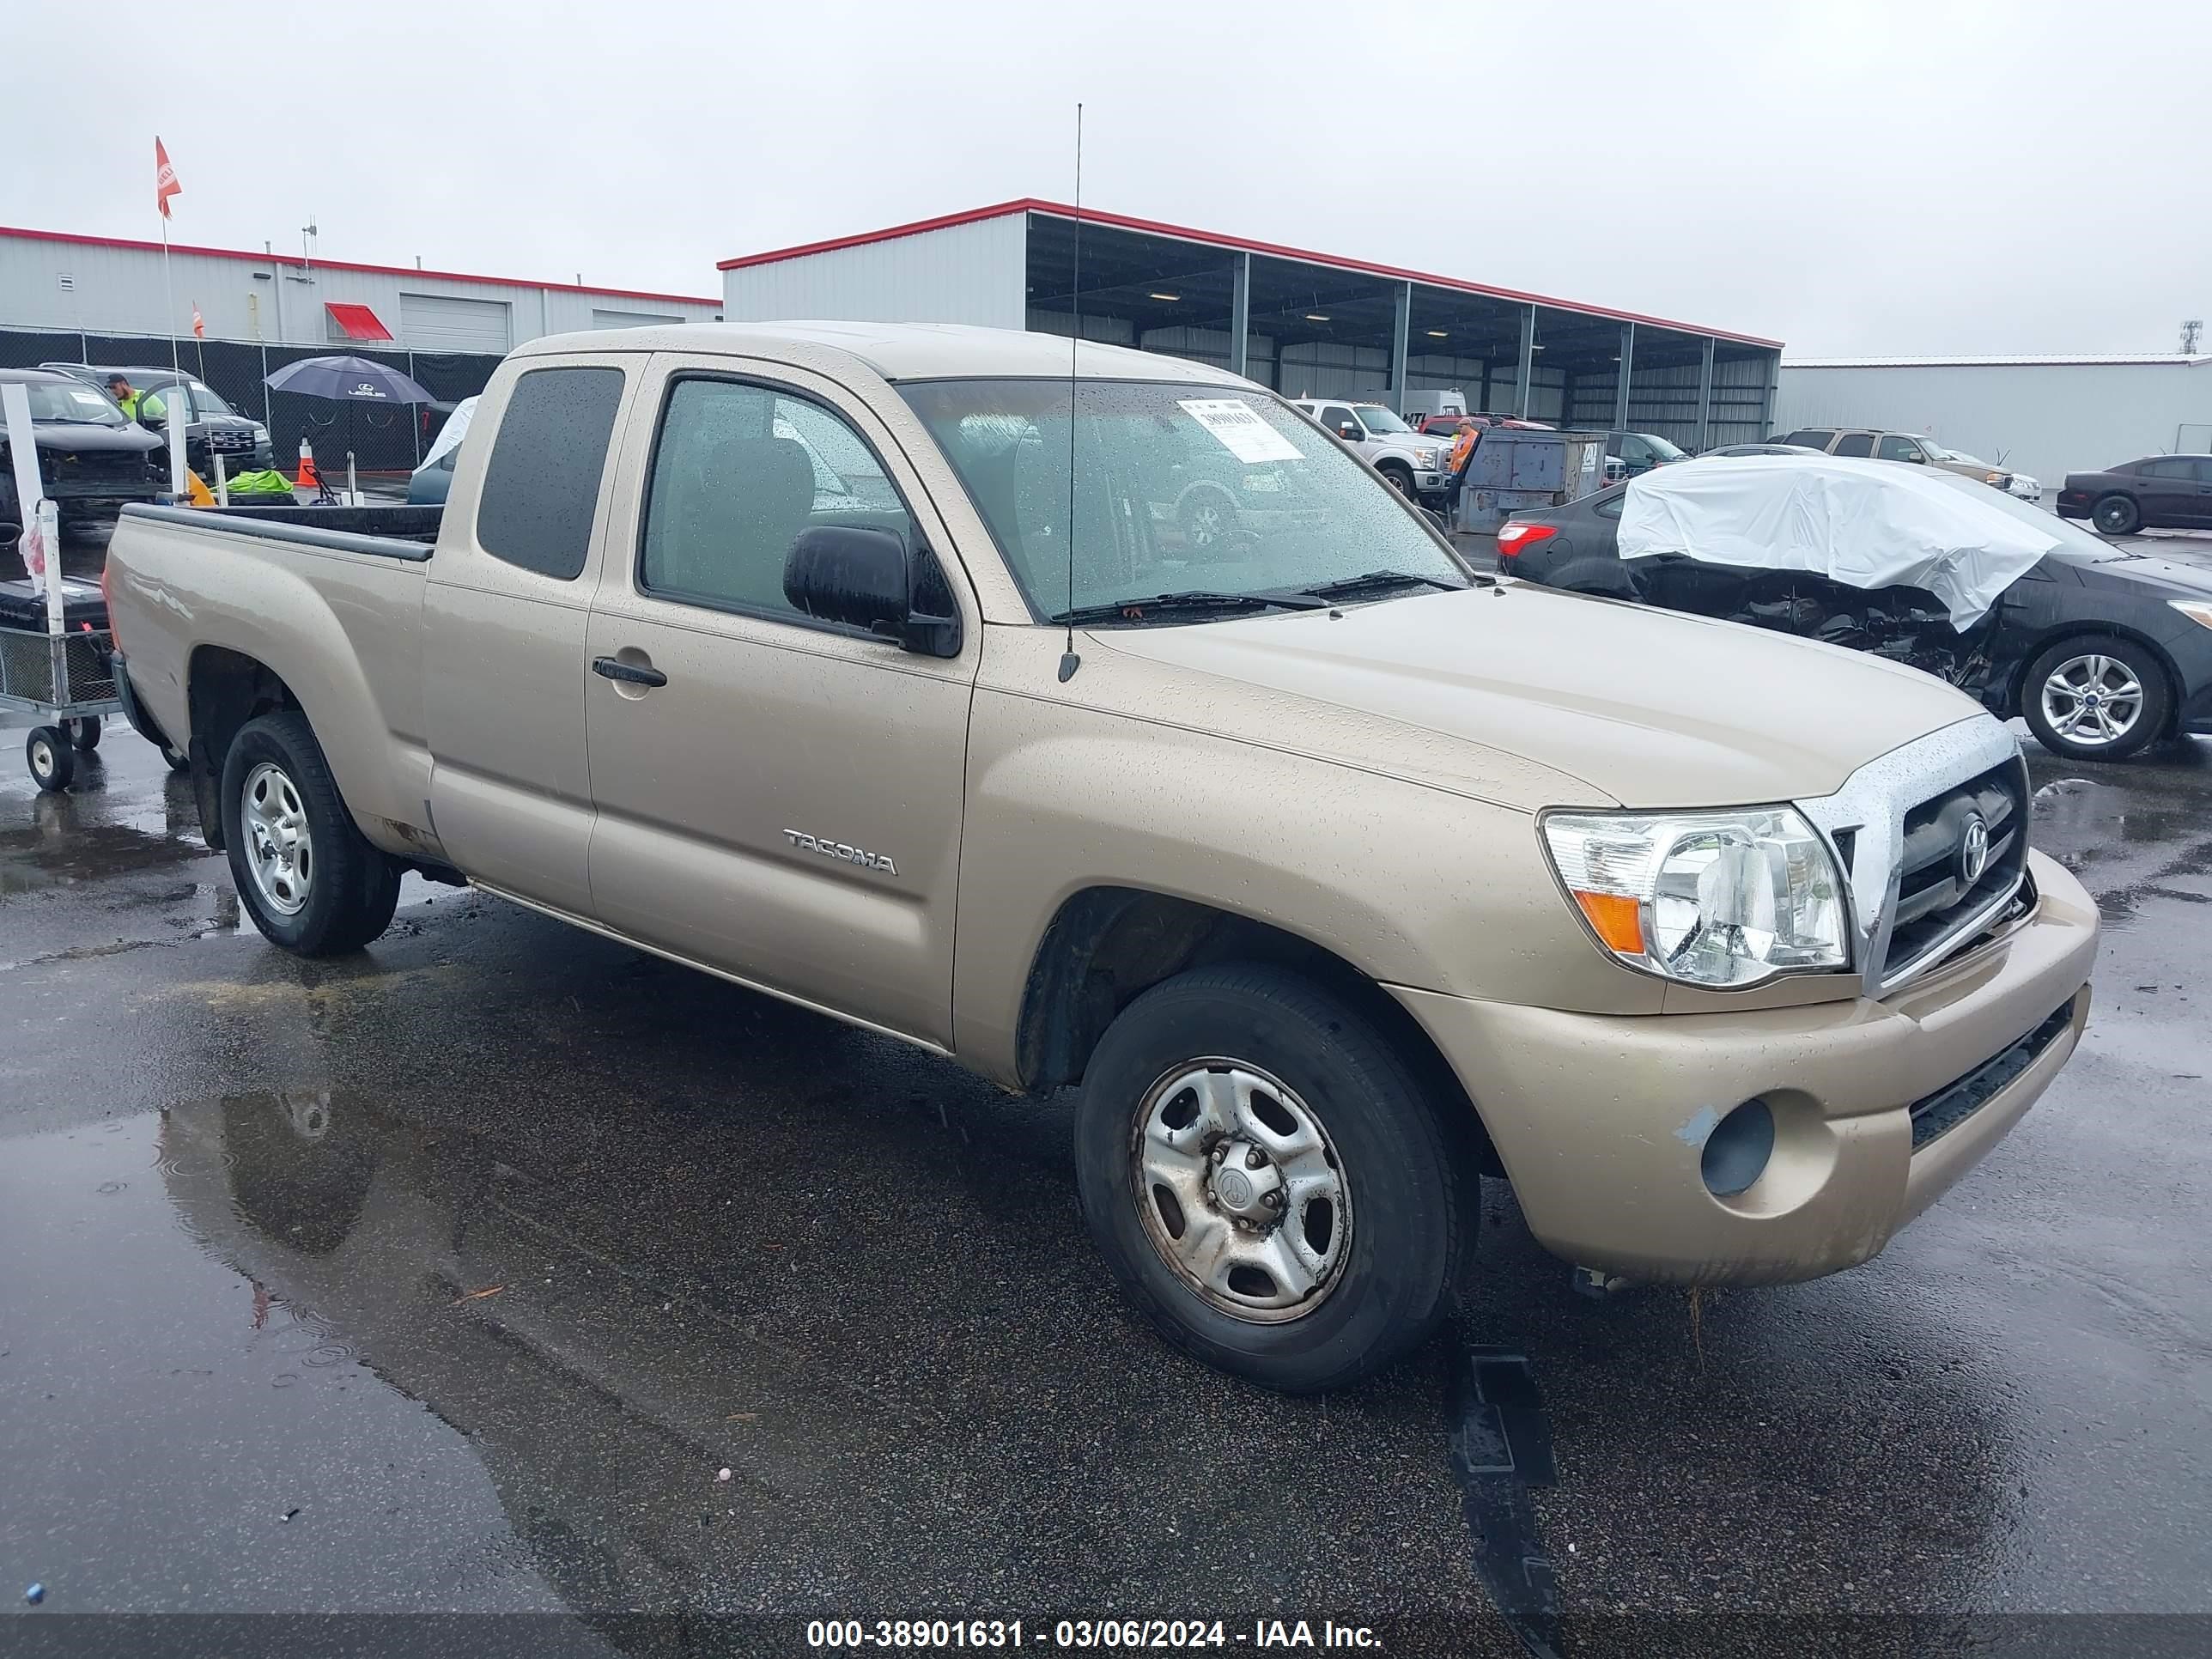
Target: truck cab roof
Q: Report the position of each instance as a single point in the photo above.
(898, 351)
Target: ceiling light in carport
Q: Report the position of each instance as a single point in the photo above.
(1315, 317)
(1170, 298)
(1438, 334)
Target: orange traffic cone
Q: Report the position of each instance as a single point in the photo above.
(308, 478)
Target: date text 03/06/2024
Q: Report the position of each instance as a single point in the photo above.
(1108, 1633)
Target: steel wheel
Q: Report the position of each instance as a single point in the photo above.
(1240, 1190)
(2092, 700)
(280, 851)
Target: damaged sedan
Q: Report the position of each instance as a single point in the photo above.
(2103, 650)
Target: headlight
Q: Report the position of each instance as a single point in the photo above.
(1425, 457)
(2196, 610)
(1708, 898)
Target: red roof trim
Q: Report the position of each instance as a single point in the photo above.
(358, 321)
(1215, 238)
(349, 264)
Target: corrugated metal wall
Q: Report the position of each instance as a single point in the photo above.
(119, 291)
(2044, 419)
(970, 273)
(1665, 401)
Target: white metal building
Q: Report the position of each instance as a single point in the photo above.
(54, 282)
(2046, 416)
(1304, 323)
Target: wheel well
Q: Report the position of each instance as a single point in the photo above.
(1108, 945)
(2065, 631)
(1395, 464)
(224, 689)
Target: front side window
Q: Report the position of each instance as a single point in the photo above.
(739, 470)
(1179, 489)
(1894, 448)
(1337, 416)
(1855, 443)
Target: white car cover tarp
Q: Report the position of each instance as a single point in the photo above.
(450, 435)
(1866, 524)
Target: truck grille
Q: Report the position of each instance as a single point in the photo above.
(1939, 890)
(230, 443)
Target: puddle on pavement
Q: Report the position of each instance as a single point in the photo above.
(48, 841)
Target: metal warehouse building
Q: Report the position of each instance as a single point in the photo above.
(54, 282)
(2045, 416)
(1305, 324)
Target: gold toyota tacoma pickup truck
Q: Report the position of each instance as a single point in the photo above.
(1208, 780)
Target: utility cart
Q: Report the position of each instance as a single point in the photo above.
(57, 669)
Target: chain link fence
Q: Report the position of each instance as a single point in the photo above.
(381, 439)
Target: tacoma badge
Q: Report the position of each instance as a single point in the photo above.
(838, 850)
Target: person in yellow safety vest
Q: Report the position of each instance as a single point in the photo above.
(135, 405)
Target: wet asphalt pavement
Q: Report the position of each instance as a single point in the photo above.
(451, 1276)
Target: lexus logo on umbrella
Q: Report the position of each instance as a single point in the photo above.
(363, 389)
(1973, 851)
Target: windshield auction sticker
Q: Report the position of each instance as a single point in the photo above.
(1240, 430)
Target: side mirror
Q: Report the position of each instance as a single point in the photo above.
(867, 579)
(1349, 432)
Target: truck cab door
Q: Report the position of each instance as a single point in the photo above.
(778, 798)
(504, 618)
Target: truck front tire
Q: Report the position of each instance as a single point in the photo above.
(304, 874)
(1268, 1180)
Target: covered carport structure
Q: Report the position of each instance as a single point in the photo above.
(1306, 323)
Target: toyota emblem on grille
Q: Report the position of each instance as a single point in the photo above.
(1973, 850)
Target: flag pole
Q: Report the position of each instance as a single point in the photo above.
(177, 401)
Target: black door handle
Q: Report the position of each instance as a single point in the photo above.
(613, 668)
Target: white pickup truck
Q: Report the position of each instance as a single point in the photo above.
(1413, 463)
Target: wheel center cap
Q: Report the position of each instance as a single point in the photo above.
(1246, 1183)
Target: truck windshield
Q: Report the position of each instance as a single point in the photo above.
(1378, 419)
(77, 405)
(1179, 489)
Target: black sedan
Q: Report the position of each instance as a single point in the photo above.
(2103, 650)
(2159, 492)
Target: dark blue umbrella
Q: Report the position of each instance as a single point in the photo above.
(348, 379)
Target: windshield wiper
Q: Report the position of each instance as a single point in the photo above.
(1197, 599)
(1344, 586)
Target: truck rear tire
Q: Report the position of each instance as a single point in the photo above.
(305, 874)
(1268, 1180)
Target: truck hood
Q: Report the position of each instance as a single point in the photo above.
(1640, 708)
(93, 440)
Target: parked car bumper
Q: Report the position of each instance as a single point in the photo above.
(1601, 1120)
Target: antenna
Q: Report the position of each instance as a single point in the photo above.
(1069, 662)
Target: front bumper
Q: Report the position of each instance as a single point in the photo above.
(1600, 1120)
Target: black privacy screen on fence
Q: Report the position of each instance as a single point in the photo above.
(382, 440)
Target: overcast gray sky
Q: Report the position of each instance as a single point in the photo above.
(1852, 178)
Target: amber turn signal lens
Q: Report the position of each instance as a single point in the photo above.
(1614, 917)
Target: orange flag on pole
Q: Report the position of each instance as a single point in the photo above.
(165, 178)
(199, 327)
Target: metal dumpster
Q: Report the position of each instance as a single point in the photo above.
(1514, 469)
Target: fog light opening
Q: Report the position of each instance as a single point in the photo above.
(1737, 1151)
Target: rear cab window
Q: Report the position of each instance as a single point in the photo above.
(541, 485)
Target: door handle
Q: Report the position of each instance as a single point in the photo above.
(629, 673)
